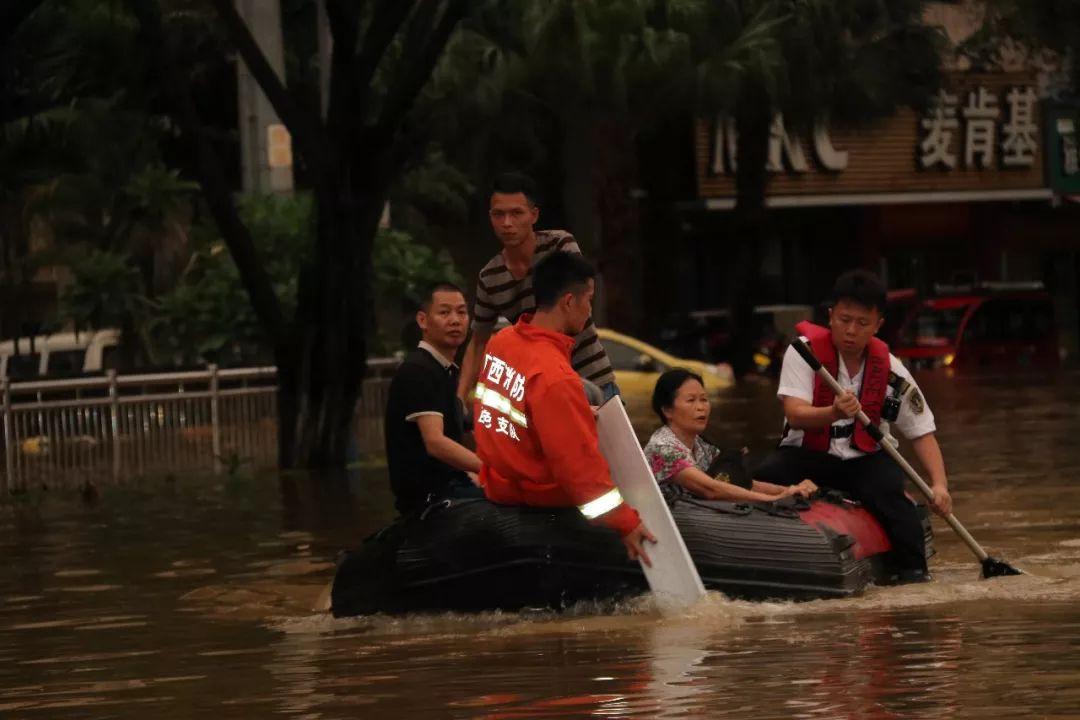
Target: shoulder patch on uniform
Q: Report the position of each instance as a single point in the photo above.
(917, 404)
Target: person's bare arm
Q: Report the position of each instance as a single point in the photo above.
(767, 488)
(443, 448)
(701, 485)
(470, 364)
(806, 488)
(929, 453)
(802, 415)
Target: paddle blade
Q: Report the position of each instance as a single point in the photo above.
(673, 576)
(992, 567)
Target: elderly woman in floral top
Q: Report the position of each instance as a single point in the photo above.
(677, 453)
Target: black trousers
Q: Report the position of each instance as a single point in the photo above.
(874, 480)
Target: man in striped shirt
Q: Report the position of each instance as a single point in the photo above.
(504, 286)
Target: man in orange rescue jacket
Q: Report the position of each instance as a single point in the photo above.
(535, 433)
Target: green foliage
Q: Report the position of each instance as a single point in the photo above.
(1047, 32)
(641, 59)
(433, 195)
(72, 132)
(636, 59)
(404, 268)
(208, 316)
(82, 143)
(840, 59)
(158, 193)
(118, 185)
(107, 292)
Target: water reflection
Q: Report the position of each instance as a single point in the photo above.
(726, 661)
(193, 597)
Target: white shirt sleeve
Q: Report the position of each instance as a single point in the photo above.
(796, 377)
(915, 418)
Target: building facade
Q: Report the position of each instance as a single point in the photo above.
(976, 188)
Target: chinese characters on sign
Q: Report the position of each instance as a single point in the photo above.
(984, 136)
(1020, 142)
(940, 126)
(988, 129)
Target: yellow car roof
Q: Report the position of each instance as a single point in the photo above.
(647, 349)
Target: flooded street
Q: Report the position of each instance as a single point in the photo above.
(186, 597)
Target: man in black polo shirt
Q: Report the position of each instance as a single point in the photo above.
(423, 414)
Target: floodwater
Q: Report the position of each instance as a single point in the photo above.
(193, 597)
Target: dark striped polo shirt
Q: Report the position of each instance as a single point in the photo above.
(499, 293)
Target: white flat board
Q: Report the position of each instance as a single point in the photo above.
(673, 576)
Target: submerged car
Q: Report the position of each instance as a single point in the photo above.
(637, 365)
(989, 327)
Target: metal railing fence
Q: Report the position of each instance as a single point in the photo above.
(66, 431)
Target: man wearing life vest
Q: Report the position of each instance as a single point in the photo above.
(823, 442)
(535, 432)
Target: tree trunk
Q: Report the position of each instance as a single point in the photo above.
(599, 172)
(753, 117)
(321, 352)
(580, 202)
(614, 179)
(321, 371)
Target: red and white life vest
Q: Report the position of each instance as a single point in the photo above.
(875, 384)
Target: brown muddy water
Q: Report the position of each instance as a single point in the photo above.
(193, 597)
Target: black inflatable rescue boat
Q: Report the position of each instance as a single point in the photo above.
(472, 555)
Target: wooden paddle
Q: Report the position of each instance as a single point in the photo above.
(991, 567)
(673, 576)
